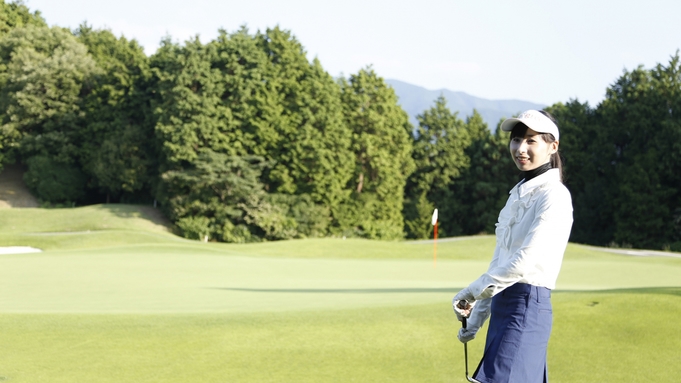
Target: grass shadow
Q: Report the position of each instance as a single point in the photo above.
(415, 290)
(670, 290)
(666, 290)
(147, 212)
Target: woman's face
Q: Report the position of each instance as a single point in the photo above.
(531, 151)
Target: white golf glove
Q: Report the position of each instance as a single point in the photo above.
(465, 311)
(466, 336)
(465, 295)
(477, 318)
(462, 311)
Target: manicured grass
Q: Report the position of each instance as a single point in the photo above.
(88, 218)
(628, 335)
(470, 248)
(119, 298)
(597, 337)
(188, 278)
(87, 227)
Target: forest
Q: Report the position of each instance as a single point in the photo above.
(245, 139)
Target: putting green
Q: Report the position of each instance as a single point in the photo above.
(116, 297)
(191, 278)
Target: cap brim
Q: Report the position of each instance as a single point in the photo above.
(534, 120)
(509, 123)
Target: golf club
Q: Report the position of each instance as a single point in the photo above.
(462, 305)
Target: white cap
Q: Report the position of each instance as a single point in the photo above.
(534, 120)
(433, 220)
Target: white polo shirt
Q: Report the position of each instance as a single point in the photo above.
(532, 233)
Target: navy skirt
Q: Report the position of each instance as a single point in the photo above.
(517, 337)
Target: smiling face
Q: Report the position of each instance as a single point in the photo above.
(529, 149)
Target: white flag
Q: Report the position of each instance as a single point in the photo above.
(434, 220)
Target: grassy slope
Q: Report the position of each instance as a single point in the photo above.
(138, 304)
(88, 227)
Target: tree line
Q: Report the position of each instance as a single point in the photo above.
(245, 139)
(624, 160)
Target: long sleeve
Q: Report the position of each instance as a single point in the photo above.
(530, 250)
(479, 315)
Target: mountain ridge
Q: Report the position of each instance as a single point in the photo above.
(415, 100)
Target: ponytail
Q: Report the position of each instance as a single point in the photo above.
(556, 158)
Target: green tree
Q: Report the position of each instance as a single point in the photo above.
(215, 187)
(221, 197)
(243, 95)
(418, 212)
(482, 189)
(439, 154)
(117, 149)
(382, 145)
(188, 107)
(622, 160)
(44, 77)
(293, 117)
(53, 181)
(16, 15)
(643, 130)
(204, 177)
(586, 167)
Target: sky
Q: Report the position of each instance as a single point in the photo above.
(538, 51)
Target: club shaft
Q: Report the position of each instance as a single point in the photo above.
(465, 353)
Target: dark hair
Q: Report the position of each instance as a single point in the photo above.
(520, 129)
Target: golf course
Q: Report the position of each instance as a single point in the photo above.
(114, 296)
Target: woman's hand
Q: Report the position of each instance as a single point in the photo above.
(466, 335)
(463, 304)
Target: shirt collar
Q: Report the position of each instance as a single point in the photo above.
(523, 188)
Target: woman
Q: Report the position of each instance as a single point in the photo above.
(531, 235)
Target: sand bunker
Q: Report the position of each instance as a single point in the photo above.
(18, 250)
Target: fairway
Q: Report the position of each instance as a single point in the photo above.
(122, 299)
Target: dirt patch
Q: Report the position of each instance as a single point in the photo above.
(13, 190)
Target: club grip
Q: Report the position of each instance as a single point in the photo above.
(462, 305)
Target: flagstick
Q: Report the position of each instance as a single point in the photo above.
(435, 246)
(434, 222)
